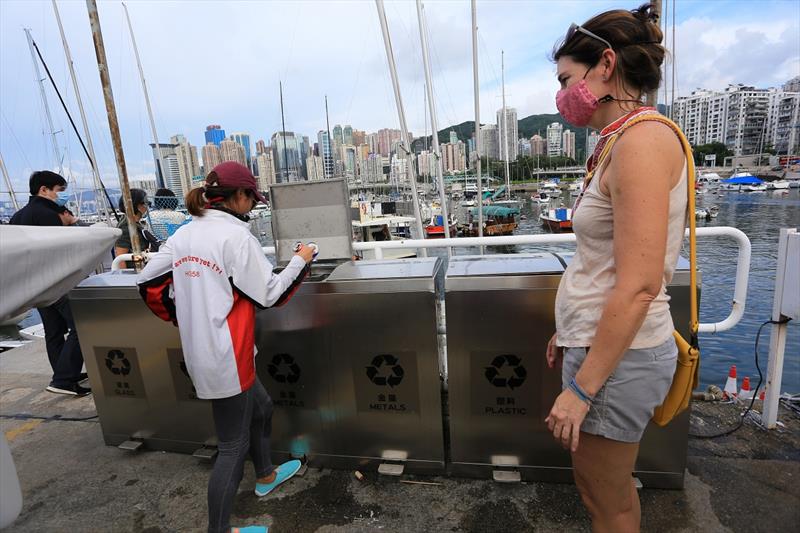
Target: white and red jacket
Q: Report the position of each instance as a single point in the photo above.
(208, 279)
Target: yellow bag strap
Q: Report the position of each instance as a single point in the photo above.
(694, 323)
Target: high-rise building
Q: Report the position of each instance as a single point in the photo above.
(316, 170)
(524, 147)
(266, 170)
(784, 118)
(147, 184)
(211, 157)
(538, 145)
(489, 141)
(453, 157)
(371, 169)
(286, 155)
(261, 147)
(347, 134)
(453, 137)
(188, 164)
(507, 133)
(359, 137)
(349, 159)
(591, 143)
(215, 134)
(744, 118)
(397, 172)
(568, 144)
(792, 86)
(232, 151)
(243, 139)
(326, 153)
(168, 168)
(338, 135)
(372, 141)
(387, 139)
(554, 132)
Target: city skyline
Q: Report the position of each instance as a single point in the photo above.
(735, 43)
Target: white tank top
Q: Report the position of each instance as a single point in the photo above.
(591, 275)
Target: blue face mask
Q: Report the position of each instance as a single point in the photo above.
(62, 198)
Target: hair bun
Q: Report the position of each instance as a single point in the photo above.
(646, 13)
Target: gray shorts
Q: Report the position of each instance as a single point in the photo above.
(624, 405)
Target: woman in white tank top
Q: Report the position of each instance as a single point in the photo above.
(614, 329)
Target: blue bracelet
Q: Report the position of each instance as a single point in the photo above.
(579, 392)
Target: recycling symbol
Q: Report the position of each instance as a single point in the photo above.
(117, 363)
(391, 366)
(502, 379)
(278, 373)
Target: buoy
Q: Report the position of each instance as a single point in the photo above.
(746, 393)
(731, 389)
(762, 394)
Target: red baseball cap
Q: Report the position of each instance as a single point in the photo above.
(235, 175)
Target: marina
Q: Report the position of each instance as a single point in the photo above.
(405, 330)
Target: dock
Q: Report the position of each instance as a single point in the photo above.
(72, 481)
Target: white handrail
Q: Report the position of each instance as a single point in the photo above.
(739, 289)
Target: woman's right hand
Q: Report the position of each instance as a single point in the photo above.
(306, 253)
(554, 352)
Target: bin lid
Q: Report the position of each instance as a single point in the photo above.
(118, 278)
(503, 265)
(312, 211)
(386, 269)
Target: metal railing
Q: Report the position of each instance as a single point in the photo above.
(739, 289)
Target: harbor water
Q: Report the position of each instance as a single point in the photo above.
(759, 215)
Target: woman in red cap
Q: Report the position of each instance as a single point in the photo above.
(208, 278)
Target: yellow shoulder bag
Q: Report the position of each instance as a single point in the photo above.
(688, 367)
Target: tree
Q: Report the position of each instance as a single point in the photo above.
(716, 148)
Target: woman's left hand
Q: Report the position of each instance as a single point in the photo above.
(566, 417)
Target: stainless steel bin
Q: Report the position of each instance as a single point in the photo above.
(386, 404)
(499, 319)
(135, 365)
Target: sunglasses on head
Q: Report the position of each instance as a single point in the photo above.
(574, 28)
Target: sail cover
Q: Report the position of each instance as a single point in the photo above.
(39, 265)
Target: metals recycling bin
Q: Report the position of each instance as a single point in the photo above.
(365, 388)
(499, 319)
(135, 365)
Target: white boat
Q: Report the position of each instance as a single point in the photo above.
(552, 189)
(542, 198)
(755, 187)
(778, 185)
(384, 228)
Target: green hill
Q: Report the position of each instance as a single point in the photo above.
(527, 127)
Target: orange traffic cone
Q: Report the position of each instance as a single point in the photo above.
(731, 390)
(745, 393)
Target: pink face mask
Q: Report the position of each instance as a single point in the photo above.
(577, 104)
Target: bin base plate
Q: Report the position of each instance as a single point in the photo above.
(506, 476)
(391, 469)
(131, 445)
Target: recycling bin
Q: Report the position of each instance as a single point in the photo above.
(386, 395)
(499, 320)
(139, 381)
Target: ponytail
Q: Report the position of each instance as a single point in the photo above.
(195, 201)
(198, 199)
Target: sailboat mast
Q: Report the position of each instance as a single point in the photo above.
(40, 81)
(434, 122)
(283, 126)
(330, 145)
(159, 156)
(505, 124)
(98, 186)
(113, 124)
(387, 44)
(8, 184)
(476, 92)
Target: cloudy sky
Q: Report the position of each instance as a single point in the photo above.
(215, 62)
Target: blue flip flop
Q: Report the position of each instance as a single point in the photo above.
(283, 472)
(251, 529)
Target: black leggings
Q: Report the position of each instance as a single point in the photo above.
(243, 423)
